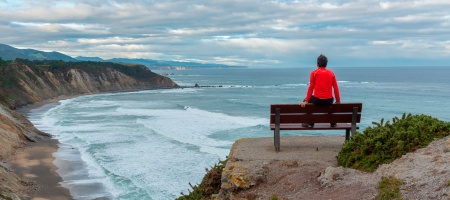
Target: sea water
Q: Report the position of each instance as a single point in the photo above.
(151, 144)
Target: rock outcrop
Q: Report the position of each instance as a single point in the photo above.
(24, 82)
(306, 168)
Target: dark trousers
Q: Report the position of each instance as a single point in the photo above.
(321, 102)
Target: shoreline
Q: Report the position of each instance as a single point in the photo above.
(35, 160)
(61, 161)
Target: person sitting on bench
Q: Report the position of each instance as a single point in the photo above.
(321, 82)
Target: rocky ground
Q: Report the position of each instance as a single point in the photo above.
(306, 168)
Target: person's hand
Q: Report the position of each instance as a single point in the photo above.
(303, 104)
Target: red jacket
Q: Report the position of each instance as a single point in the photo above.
(321, 81)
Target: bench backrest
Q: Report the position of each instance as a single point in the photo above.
(334, 113)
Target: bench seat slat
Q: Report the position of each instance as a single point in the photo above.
(315, 118)
(317, 126)
(335, 108)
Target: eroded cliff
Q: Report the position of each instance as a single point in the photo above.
(23, 82)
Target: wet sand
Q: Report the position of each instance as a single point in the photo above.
(34, 163)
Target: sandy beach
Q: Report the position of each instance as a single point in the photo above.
(34, 163)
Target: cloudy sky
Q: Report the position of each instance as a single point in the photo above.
(255, 33)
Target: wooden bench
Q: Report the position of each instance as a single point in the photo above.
(291, 117)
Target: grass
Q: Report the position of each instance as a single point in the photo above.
(389, 189)
(274, 197)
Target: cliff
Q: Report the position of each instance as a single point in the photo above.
(23, 82)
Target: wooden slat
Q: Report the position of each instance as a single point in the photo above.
(315, 118)
(317, 126)
(310, 108)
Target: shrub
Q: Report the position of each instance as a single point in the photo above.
(209, 185)
(386, 142)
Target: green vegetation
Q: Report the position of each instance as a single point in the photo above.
(136, 71)
(389, 188)
(3, 62)
(7, 80)
(388, 141)
(274, 197)
(209, 185)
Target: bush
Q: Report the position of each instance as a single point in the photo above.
(210, 184)
(386, 142)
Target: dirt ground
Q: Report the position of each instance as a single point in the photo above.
(306, 168)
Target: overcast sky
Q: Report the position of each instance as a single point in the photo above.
(255, 33)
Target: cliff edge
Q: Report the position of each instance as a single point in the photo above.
(306, 168)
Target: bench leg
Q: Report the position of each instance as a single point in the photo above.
(354, 115)
(276, 138)
(347, 134)
(276, 133)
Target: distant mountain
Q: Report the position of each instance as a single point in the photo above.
(10, 53)
(96, 59)
(163, 64)
(147, 62)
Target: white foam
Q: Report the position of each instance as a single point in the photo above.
(121, 150)
(193, 126)
(184, 90)
(355, 82)
(83, 182)
(153, 164)
(295, 85)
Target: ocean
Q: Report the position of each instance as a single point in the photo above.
(151, 144)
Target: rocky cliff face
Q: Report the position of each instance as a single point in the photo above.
(26, 82)
(23, 82)
(15, 131)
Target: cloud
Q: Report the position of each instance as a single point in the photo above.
(257, 33)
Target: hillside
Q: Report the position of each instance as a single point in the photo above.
(23, 82)
(10, 53)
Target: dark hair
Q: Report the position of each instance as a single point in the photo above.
(322, 61)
